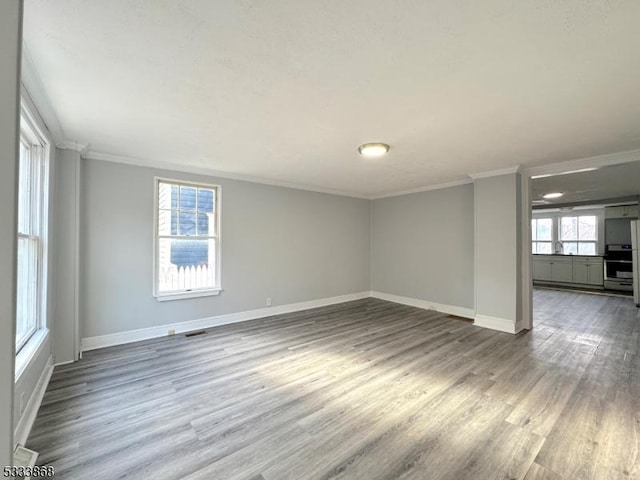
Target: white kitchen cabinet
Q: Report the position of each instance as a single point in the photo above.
(568, 269)
(542, 270)
(562, 270)
(581, 273)
(624, 211)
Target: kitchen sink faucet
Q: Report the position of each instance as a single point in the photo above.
(561, 249)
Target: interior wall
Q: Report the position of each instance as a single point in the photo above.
(10, 51)
(290, 245)
(422, 246)
(498, 248)
(66, 244)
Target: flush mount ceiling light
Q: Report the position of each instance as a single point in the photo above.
(373, 150)
(553, 195)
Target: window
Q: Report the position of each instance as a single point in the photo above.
(32, 216)
(542, 235)
(579, 234)
(187, 250)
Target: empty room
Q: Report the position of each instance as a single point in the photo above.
(319, 240)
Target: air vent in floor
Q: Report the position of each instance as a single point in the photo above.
(194, 334)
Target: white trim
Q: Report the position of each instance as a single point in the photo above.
(101, 341)
(582, 163)
(497, 323)
(30, 350)
(425, 304)
(177, 167)
(439, 186)
(73, 145)
(167, 297)
(526, 259)
(23, 428)
(496, 173)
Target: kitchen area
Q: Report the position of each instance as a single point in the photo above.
(586, 230)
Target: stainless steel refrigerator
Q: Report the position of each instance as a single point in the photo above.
(635, 246)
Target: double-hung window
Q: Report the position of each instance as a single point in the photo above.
(32, 188)
(579, 234)
(187, 240)
(542, 235)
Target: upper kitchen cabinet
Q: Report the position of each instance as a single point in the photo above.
(624, 211)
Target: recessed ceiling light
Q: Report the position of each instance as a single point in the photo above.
(553, 195)
(373, 150)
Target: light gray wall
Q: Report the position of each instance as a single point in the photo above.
(498, 246)
(422, 246)
(10, 43)
(287, 244)
(66, 244)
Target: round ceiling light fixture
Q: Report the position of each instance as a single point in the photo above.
(373, 150)
(549, 196)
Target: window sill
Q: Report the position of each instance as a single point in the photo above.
(29, 351)
(185, 295)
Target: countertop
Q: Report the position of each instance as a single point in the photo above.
(565, 255)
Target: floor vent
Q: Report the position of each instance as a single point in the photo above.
(23, 457)
(195, 334)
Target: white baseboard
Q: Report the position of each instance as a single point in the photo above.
(425, 304)
(101, 341)
(22, 430)
(497, 323)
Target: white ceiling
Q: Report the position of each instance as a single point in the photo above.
(603, 184)
(286, 90)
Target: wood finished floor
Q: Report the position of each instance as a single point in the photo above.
(363, 390)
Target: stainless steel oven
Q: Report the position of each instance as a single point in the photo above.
(618, 268)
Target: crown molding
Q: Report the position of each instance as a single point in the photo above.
(73, 145)
(428, 188)
(34, 87)
(176, 167)
(581, 163)
(495, 173)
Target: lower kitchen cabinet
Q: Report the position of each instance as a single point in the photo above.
(570, 269)
(562, 270)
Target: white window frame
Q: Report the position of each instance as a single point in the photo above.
(193, 293)
(577, 241)
(557, 216)
(34, 133)
(534, 232)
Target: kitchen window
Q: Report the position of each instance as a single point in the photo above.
(542, 235)
(187, 240)
(579, 234)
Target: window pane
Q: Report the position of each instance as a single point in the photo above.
(164, 222)
(27, 289)
(165, 199)
(185, 264)
(570, 248)
(568, 229)
(587, 248)
(587, 228)
(187, 199)
(205, 222)
(534, 230)
(205, 200)
(24, 191)
(543, 247)
(187, 223)
(544, 229)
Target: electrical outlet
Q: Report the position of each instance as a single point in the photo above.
(171, 332)
(21, 403)
(268, 301)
